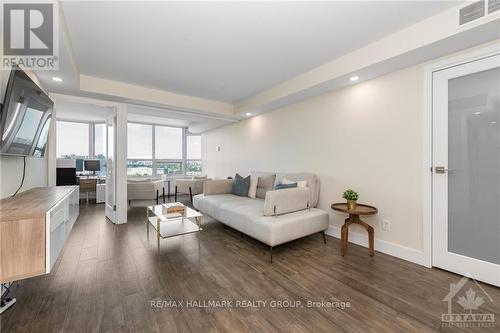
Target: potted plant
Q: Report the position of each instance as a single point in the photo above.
(351, 197)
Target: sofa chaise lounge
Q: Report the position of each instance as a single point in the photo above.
(284, 215)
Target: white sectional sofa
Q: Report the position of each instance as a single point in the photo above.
(284, 215)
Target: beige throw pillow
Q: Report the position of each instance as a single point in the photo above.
(252, 191)
(265, 183)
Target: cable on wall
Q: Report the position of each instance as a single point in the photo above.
(24, 174)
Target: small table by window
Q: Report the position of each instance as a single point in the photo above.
(354, 219)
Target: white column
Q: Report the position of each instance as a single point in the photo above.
(121, 163)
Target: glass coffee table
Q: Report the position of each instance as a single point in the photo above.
(171, 225)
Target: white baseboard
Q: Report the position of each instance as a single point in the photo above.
(395, 250)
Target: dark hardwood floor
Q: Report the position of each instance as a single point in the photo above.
(107, 276)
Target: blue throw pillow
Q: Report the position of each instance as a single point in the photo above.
(283, 186)
(240, 186)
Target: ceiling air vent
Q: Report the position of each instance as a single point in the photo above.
(471, 12)
(493, 6)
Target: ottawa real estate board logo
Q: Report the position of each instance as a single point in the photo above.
(29, 35)
(467, 305)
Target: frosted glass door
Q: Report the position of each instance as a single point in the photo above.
(466, 221)
(474, 158)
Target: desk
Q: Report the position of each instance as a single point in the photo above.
(92, 184)
(87, 185)
(99, 179)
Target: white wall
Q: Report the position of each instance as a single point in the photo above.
(367, 137)
(11, 170)
(11, 167)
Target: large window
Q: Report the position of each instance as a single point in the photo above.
(193, 147)
(168, 168)
(100, 146)
(100, 140)
(140, 141)
(168, 143)
(193, 162)
(80, 141)
(151, 149)
(139, 168)
(162, 150)
(72, 140)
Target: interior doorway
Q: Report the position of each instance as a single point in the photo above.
(466, 169)
(86, 150)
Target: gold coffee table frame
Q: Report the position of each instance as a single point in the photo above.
(174, 225)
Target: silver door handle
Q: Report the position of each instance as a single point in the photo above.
(442, 169)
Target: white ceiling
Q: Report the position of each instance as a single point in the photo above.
(226, 51)
(81, 112)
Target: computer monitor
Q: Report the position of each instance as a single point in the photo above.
(79, 165)
(92, 165)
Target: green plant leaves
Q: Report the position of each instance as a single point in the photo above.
(350, 194)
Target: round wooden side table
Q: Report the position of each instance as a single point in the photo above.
(354, 219)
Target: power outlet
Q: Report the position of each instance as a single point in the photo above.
(386, 225)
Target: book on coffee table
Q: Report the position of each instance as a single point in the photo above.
(175, 209)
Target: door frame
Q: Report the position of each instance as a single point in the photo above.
(120, 110)
(474, 54)
(106, 204)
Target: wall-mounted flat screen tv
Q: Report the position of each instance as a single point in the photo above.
(25, 117)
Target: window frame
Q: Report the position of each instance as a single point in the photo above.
(184, 160)
(152, 141)
(143, 160)
(191, 160)
(155, 168)
(154, 160)
(91, 139)
(91, 135)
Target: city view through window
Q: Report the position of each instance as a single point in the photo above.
(81, 141)
(152, 150)
(155, 150)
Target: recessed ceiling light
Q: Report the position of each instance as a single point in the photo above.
(354, 78)
(57, 79)
(248, 114)
(478, 112)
